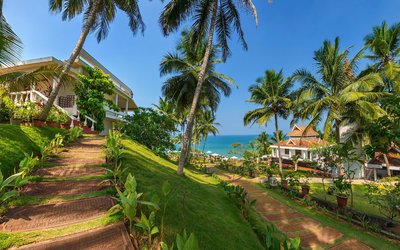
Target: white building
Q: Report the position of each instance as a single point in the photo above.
(65, 101)
(300, 142)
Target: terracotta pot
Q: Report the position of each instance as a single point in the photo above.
(305, 189)
(39, 123)
(341, 201)
(284, 184)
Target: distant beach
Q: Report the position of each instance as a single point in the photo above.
(222, 144)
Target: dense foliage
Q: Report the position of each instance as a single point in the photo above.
(91, 92)
(150, 128)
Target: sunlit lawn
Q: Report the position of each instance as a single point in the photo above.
(360, 201)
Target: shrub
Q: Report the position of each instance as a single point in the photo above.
(74, 133)
(56, 143)
(5, 186)
(113, 147)
(386, 197)
(183, 242)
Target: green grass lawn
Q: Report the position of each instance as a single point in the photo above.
(17, 140)
(349, 231)
(360, 202)
(198, 204)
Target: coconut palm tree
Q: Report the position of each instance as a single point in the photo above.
(220, 18)
(336, 95)
(184, 67)
(263, 144)
(272, 93)
(10, 44)
(274, 139)
(384, 46)
(97, 16)
(206, 125)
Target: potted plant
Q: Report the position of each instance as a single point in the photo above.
(342, 190)
(284, 181)
(305, 186)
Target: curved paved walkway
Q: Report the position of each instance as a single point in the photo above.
(81, 159)
(312, 233)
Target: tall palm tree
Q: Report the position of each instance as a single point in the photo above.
(336, 94)
(384, 45)
(97, 16)
(263, 144)
(272, 93)
(206, 125)
(220, 18)
(184, 67)
(10, 44)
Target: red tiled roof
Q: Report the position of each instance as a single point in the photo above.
(298, 131)
(303, 143)
(393, 158)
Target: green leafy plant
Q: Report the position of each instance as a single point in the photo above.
(25, 167)
(56, 143)
(147, 224)
(57, 116)
(128, 201)
(239, 195)
(274, 240)
(74, 134)
(113, 147)
(386, 197)
(117, 174)
(166, 191)
(45, 150)
(183, 242)
(91, 91)
(6, 187)
(342, 187)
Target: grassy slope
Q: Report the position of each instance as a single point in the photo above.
(360, 200)
(197, 204)
(15, 140)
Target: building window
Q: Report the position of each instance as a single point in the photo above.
(66, 101)
(297, 152)
(286, 151)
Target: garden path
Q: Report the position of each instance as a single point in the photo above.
(313, 234)
(75, 171)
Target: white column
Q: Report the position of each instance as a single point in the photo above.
(304, 154)
(290, 153)
(311, 156)
(116, 99)
(126, 106)
(273, 153)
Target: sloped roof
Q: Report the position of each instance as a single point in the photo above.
(393, 158)
(303, 143)
(298, 131)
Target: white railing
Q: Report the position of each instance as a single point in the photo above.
(114, 114)
(36, 96)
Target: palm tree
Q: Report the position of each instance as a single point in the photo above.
(272, 93)
(220, 18)
(274, 139)
(206, 125)
(384, 45)
(97, 16)
(339, 97)
(263, 144)
(184, 67)
(10, 44)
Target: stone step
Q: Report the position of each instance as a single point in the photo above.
(70, 171)
(112, 237)
(29, 218)
(69, 187)
(78, 161)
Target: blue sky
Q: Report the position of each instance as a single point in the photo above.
(288, 33)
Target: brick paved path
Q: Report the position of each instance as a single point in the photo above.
(312, 233)
(81, 159)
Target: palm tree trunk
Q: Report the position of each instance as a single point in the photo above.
(199, 86)
(75, 53)
(278, 140)
(337, 138)
(387, 164)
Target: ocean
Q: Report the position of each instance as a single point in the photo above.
(222, 144)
